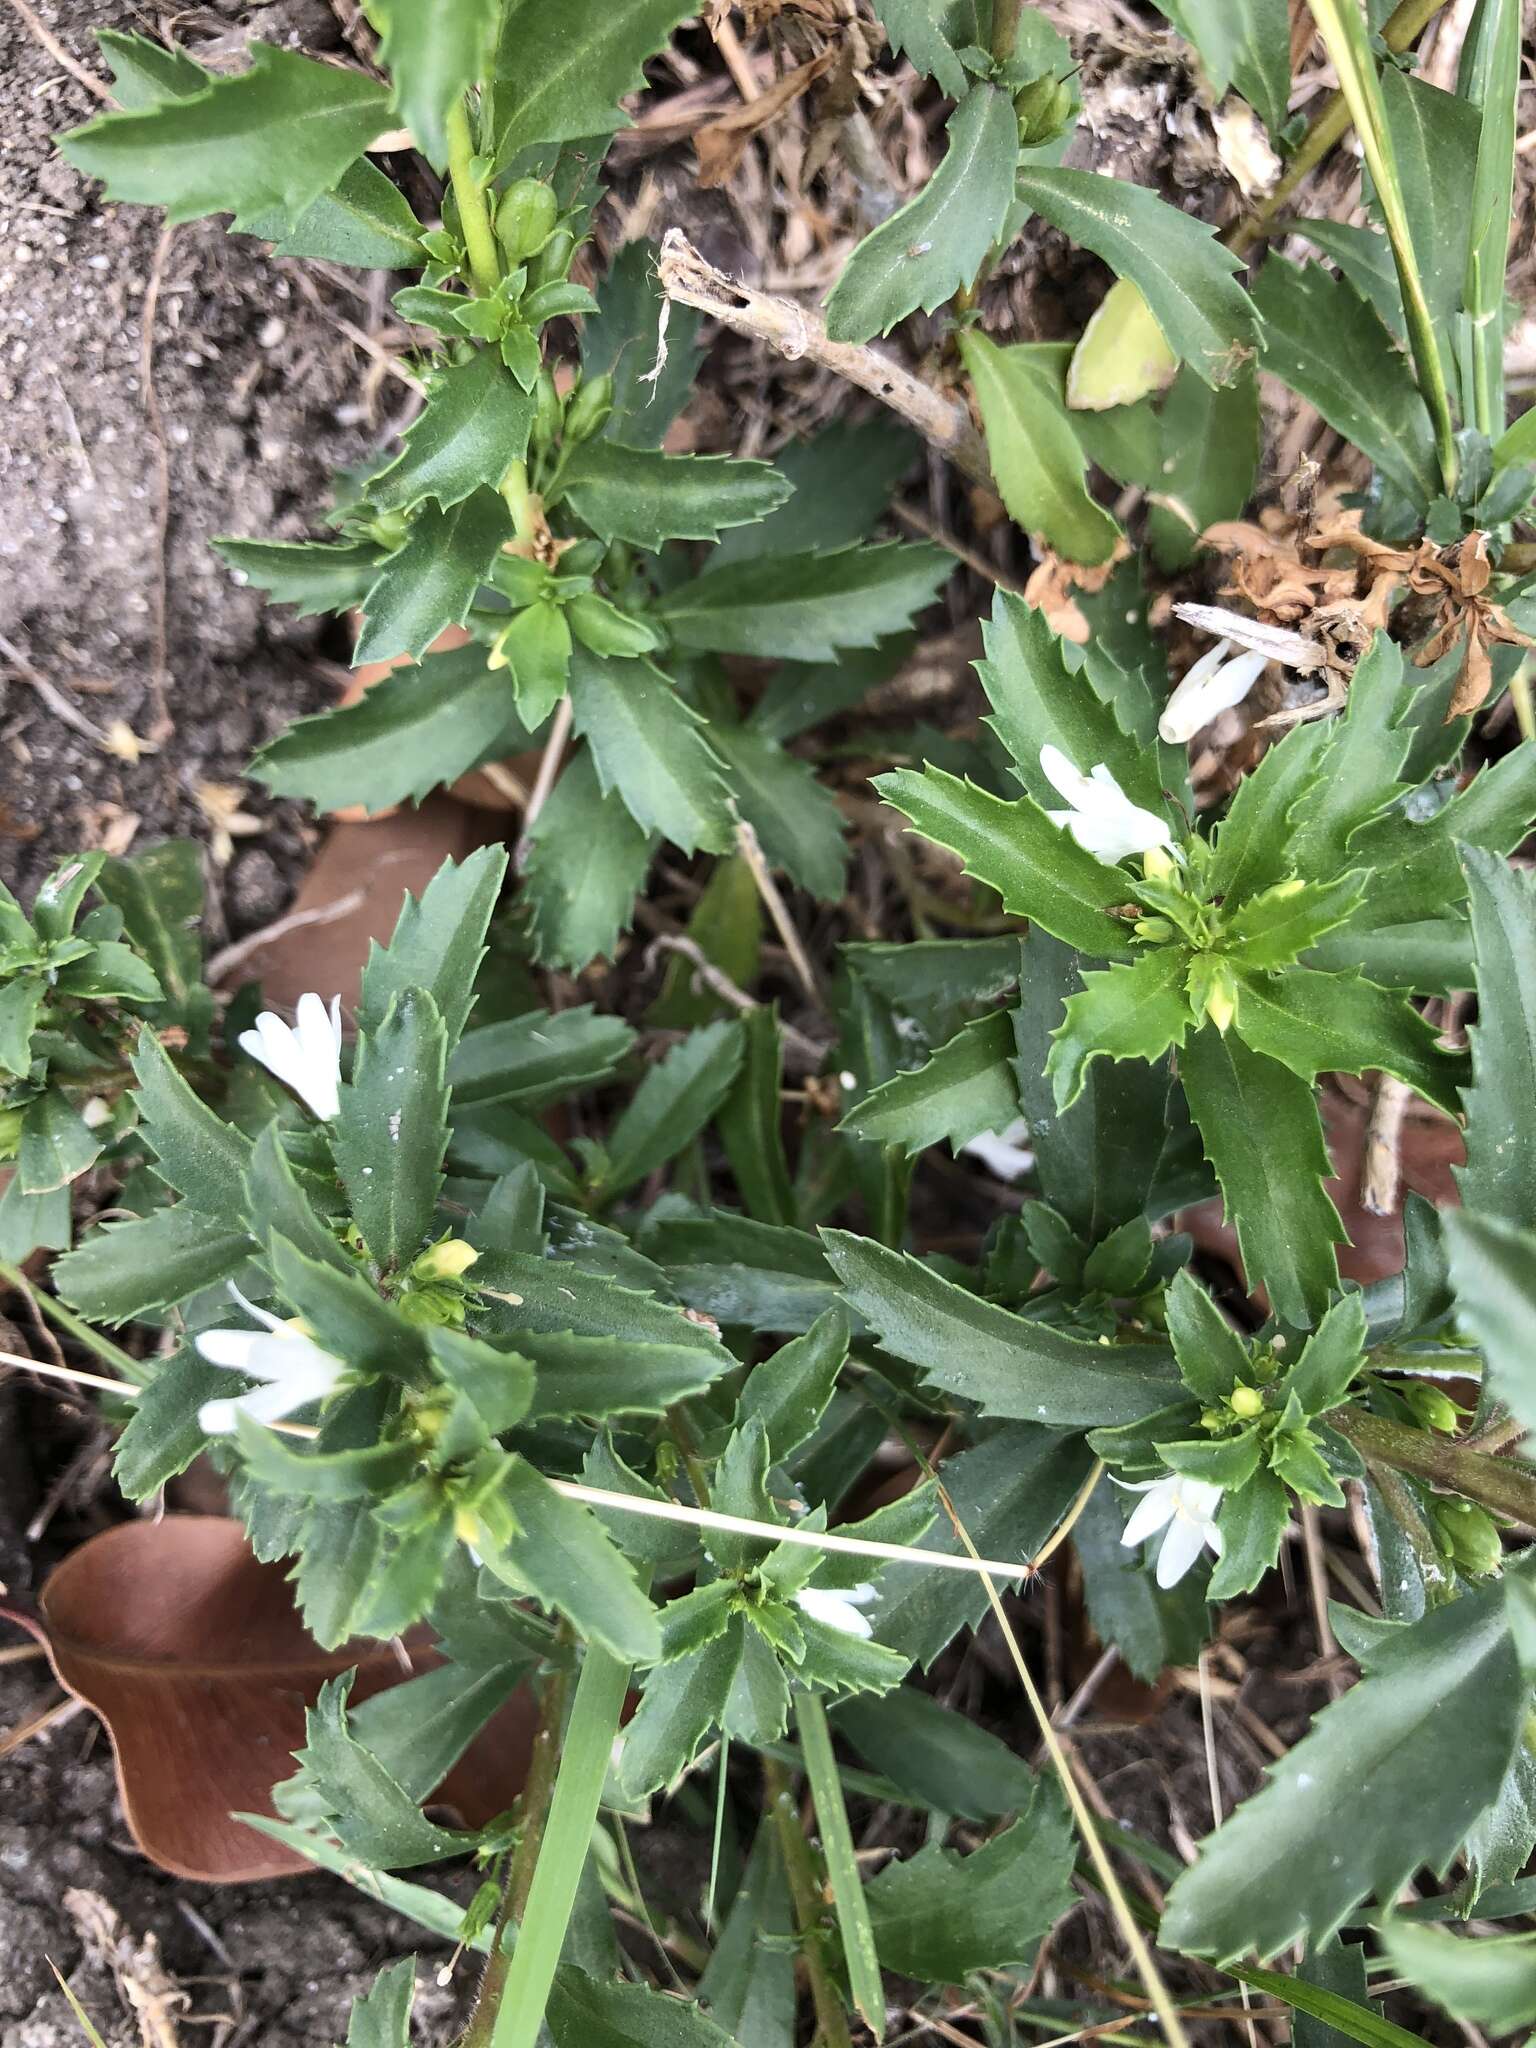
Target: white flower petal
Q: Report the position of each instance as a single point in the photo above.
(1199, 1497)
(231, 1348)
(1197, 701)
(1156, 1508)
(836, 1610)
(1181, 1546)
(1000, 1152)
(1064, 778)
(307, 1060)
(217, 1418)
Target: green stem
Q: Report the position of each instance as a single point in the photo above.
(1497, 1483)
(74, 1326)
(842, 1864)
(474, 215)
(805, 1898)
(515, 489)
(1330, 124)
(562, 1854)
(537, 1792)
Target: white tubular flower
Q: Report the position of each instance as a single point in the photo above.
(1212, 686)
(838, 1610)
(305, 1055)
(294, 1369)
(1005, 1154)
(1102, 820)
(1186, 1508)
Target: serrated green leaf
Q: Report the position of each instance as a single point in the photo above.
(606, 1376)
(966, 1087)
(561, 1556)
(671, 1106)
(438, 942)
(561, 71)
(1338, 1023)
(1322, 339)
(937, 1916)
(806, 607)
(647, 498)
(1274, 928)
(123, 1270)
(275, 1200)
(1038, 461)
(587, 859)
(312, 575)
(160, 895)
(1246, 42)
(1499, 1178)
(1008, 1365)
(796, 819)
(371, 1813)
(391, 1131)
(621, 340)
(537, 1058)
(147, 73)
(1184, 274)
(434, 55)
(1128, 1013)
(163, 1434)
(937, 243)
(199, 1155)
(1449, 1685)
(20, 1002)
(1479, 1978)
(1364, 255)
(277, 135)
(30, 1223)
(1493, 1268)
(430, 582)
(921, 28)
(936, 1755)
(652, 748)
(349, 1318)
(1261, 1132)
(474, 425)
(363, 221)
(1038, 871)
(381, 2018)
(415, 730)
(1037, 701)
(843, 477)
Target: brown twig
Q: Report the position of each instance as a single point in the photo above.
(162, 725)
(544, 781)
(797, 332)
(752, 853)
(226, 961)
(720, 984)
(1381, 1165)
(52, 696)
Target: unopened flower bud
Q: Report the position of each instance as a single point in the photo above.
(1221, 999)
(1471, 1536)
(1246, 1402)
(554, 259)
(525, 217)
(446, 1261)
(589, 407)
(546, 408)
(1432, 1409)
(1158, 865)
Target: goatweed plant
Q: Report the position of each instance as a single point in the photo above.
(588, 1409)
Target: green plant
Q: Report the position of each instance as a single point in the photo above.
(605, 1409)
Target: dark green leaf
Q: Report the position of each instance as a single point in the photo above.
(57, 1144)
(391, 1131)
(363, 221)
(197, 1153)
(1337, 1023)
(1492, 1980)
(936, 1755)
(430, 582)
(1126, 1013)
(1038, 461)
(967, 1087)
(1246, 42)
(277, 135)
(805, 607)
(561, 71)
(652, 748)
(937, 243)
(922, 28)
(1434, 137)
(647, 498)
(796, 819)
(123, 1270)
(475, 423)
(1499, 1178)
(587, 858)
(312, 575)
(788, 1393)
(369, 1810)
(1209, 451)
(163, 1435)
(562, 1557)
(749, 1121)
(622, 340)
(585, 2014)
(381, 2018)
(843, 478)
(146, 73)
(434, 55)
(537, 1058)
(1493, 1268)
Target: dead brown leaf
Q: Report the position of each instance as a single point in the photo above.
(721, 143)
(194, 1655)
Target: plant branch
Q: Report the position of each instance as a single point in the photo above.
(1005, 28)
(805, 1899)
(1329, 125)
(469, 197)
(797, 332)
(1496, 1483)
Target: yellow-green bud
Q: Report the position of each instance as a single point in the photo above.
(1246, 1402)
(1156, 929)
(546, 408)
(554, 259)
(589, 407)
(446, 1261)
(1221, 1000)
(1158, 865)
(1471, 1536)
(1432, 1409)
(1042, 107)
(525, 217)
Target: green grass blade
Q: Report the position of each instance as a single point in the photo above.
(842, 1864)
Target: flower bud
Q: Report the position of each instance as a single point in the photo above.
(554, 259)
(1043, 107)
(1246, 1402)
(1432, 1409)
(449, 1260)
(1221, 998)
(1159, 865)
(525, 217)
(589, 407)
(1471, 1536)
(546, 408)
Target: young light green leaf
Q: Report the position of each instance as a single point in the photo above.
(434, 55)
(651, 747)
(647, 498)
(391, 1132)
(937, 243)
(431, 581)
(277, 135)
(381, 2018)
(1322, 339)
(1241, 42)
(474, 425)
(146, 73)
(56, 1146)
(561, 71)
(967, 1087)
(1447, 1685)
(805, 607)
(1127, 1013)
(1008, 1365)
(1035, 454)
(1489, 1980)
(1184, 273)
(1039, 872)
(1338, 1023)
(369, 1811)
(562, 1557)
(1261, 1132)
